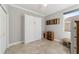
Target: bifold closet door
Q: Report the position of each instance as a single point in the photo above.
(32, 28)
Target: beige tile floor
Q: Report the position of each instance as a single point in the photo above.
(38, 47)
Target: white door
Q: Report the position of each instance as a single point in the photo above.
(32, 28)
(3, 34)
(37, 28)
(28, 29)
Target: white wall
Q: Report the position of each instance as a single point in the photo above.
(59, 28)
(16, 17)
(17, 23)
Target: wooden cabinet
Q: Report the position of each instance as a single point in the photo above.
(77, 23)
(49, 35)
(53, 21)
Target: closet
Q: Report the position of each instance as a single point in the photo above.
(32, 28)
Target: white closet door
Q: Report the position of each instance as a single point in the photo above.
(32, 28)
(29, 29)
(37, 28)
(2, 31)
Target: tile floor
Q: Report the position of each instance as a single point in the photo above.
(38, 47)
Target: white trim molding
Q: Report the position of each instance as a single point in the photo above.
(58, 40)
(15, 43)
(34, 12)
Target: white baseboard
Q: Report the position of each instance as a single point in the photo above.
(15, 43)
(57, 40)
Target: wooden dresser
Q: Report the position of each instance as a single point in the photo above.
(49, 35)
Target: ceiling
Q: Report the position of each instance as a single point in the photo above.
(49, 9)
